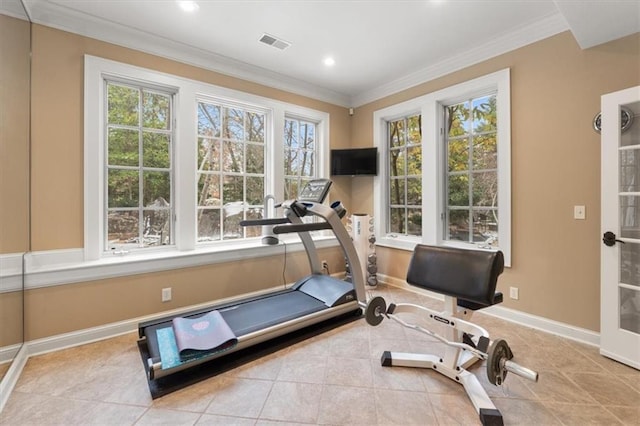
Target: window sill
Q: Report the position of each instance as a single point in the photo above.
(58, 267)
(399, 242)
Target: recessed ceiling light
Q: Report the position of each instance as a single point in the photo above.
(329, 61)
(188, 6)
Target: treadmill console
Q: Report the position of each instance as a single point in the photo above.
(315, 191)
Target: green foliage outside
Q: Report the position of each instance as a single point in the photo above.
(138, 134)
(405, 174)
(472, 183)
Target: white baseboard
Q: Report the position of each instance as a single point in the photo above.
(544, 324)
(518, 317)
(7, 353)
(12, 375)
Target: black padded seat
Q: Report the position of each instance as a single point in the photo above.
(469, 275)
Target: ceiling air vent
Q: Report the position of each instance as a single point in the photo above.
(274, 41)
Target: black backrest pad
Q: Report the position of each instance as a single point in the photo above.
(466, 274)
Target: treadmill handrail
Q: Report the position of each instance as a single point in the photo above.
(333, 219)
(301, 227)
(269, 221)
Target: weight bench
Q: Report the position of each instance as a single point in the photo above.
(467, 279)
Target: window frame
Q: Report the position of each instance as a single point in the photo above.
(405, 176)
(187, 92)
(254, 109)
(140, 168)
(431, 107)
(315, 151)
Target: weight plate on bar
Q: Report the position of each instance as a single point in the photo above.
(498, 351)
(375, 309)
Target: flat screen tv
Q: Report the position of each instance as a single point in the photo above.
(354, 162)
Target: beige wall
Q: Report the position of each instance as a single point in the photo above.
(14, 135)
(57, 196)
(555, 93)
(14, 162)
(556, 89)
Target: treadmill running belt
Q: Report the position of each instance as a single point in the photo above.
(259, 314)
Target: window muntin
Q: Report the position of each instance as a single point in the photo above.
(300, 153)
(231, 170)
(405, 175)
(471, 186)
(139, 175)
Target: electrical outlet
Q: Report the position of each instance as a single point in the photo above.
(166, 294)
(513, 293)
(325, 266)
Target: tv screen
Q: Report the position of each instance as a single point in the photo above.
(354, 162)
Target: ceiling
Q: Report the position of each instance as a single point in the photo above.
(379, 46)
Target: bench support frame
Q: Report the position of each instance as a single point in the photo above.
(458, 356)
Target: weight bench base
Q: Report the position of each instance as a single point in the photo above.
(487, 412)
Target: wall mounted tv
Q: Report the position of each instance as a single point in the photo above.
(354, 162)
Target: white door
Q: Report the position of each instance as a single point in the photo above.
(620, 210)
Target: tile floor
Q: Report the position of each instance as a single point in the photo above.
(335, 379)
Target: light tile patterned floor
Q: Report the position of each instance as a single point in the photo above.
(335, 379)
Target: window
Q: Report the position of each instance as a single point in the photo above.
(230, 186)
(299, 155)
(471, 196)
(405, 176)
(173, 164)
(463, 159)
(138, 136)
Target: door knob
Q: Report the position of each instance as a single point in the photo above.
(609, 239)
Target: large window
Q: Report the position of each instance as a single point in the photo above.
(230, 186)
(173, 164)
(471, 196)
(299, 155)
(405, 175)
(138, 136)
(446, 168)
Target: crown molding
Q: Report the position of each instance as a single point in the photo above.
(14, 9)
(62, 18)
(506, 42)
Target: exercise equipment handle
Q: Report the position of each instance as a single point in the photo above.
(521, 371)
(258, 222)
(301, 227)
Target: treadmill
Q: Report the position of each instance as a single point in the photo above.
(313, 299)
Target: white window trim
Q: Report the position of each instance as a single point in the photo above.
(430, 106)
(187, 93)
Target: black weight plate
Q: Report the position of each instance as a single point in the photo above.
(375, 309)
(498, 351)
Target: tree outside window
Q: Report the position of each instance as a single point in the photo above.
(472, 171)
(139, 138)
(300, 147)
(405, 175)
(231, 167)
